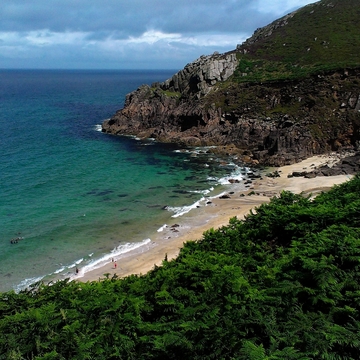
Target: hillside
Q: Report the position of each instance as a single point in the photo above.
(290, 91)
(319, 37)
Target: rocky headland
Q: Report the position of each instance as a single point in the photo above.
(271, 101)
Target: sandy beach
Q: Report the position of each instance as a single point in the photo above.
(216, 214)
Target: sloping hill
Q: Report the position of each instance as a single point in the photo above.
(290, 91)
(321, 36)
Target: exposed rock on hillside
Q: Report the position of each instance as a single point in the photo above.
(270, 100)
(274, 123)
(198, 77)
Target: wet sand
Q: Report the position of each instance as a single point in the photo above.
(217, 214)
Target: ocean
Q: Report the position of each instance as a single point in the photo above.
(74, 196)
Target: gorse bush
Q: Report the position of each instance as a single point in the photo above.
(281, 284)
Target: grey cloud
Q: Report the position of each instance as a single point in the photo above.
(94, 33)
(130, 17)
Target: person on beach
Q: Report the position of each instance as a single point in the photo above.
(115, 265)
(76, 270)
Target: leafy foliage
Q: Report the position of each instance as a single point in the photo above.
(282, 284)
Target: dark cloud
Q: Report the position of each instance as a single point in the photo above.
(127, 33)
(131, 17)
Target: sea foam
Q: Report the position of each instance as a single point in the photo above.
(237, 174)
(106, 258)
(26, 283)
(84, 265)
(162, 228)
(181, 210)
(98, 127)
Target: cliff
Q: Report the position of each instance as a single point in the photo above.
(271, 107)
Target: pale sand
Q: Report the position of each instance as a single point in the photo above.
(217, 214)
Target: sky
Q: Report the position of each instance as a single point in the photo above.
(127, 34)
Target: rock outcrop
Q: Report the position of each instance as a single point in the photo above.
(349, 165)
(273, 123)
(198, 78)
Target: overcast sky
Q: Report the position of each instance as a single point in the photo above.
(127, 34)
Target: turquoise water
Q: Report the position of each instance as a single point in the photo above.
(73, 195)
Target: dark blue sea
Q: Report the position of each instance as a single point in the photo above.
(74, 196)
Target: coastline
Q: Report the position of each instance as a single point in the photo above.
(216, 214)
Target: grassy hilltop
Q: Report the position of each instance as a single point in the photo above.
(319, 37)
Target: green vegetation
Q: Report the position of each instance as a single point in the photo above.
(261, 71)
(282, 284)
(320, 37)
(171, 94)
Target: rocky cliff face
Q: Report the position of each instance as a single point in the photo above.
(198, 78)
(273, 123)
